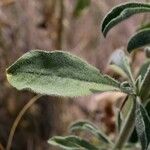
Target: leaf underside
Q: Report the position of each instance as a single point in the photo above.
(144, 68)
(145, 85)
(138, 40)
(142, 123)
(58, 73)
(122, 12)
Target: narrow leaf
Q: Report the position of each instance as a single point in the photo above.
(88, 126)
(140, 39)
(144, 68)
(138, 84)
(145, 86)
(142, 123)
(144, 26)
(128, 104)
(58, 73)
(71, 143)
(119, 119)
(147, 51)
(122, 12)
(80, 6)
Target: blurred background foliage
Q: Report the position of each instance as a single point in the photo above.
(71, 25)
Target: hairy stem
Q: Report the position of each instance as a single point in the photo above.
(126, 129)
(18, 118)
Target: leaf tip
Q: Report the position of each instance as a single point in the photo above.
(8, 76)
(104, 32)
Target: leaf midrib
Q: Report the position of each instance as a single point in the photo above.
(46, 74)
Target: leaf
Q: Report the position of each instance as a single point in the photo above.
(88, 126)
(71, 143)
(118, 71)
(127, 106)
(119, 120)
(122, 12)
(144, 26)
(140, 39)
(147, 52)
(80, 6)
(145, 85)
(58, 73)
(119, 59)
(144, 68)
(142, 123)
(138, 84)
(115, 61)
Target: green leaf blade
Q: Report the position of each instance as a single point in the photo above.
(143, 69)
(122, 12)
(142, 123)
(88, 126)
(58, 73)
(71, 143)
(119, 120)
(140, 39)
(145, 85)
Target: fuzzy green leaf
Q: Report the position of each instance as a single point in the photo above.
(122, 12)
(58, 73)
(140, 39)
(142, 123)
(80, 6)
(145, 85)
(71, 143)
(88, 126)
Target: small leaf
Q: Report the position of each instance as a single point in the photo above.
(71, 143)
(58, 73)
(119, 59)
(145, 85)
(128, 87)
(144, 26)
(140, 39)
(122, 12)
(88, 126)
(142, 123)
(80, 6)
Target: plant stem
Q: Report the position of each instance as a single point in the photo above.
(60, 26)
(126, 130)
(18, 118)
